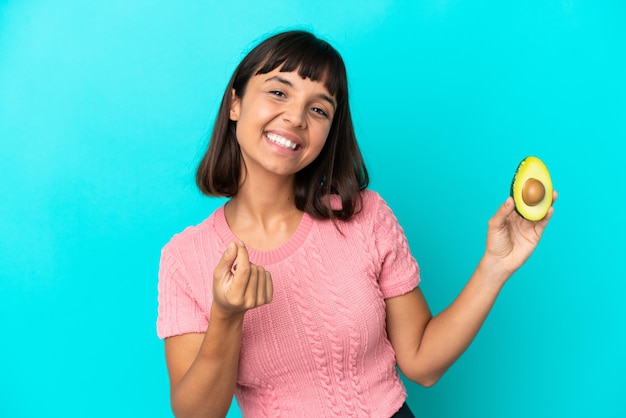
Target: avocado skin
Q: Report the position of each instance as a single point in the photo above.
(511, 191)
(548, 189)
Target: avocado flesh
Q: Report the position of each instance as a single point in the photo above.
(531, 168)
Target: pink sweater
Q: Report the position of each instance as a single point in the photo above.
(320, 348)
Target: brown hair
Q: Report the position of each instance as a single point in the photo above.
(339, 169)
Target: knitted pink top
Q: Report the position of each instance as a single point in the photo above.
(320, 347)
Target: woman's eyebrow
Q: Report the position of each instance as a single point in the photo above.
(288, 83)
(280, 80)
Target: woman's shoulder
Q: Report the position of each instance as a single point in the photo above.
(191, 235)
(371, 197)
(368, 199)
(371, 202)
(367, 210)
(376, 211)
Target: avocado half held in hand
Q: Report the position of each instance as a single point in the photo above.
(531, 189)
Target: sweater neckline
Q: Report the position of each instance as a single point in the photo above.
(265, 258)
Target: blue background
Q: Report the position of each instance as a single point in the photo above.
(104, 112)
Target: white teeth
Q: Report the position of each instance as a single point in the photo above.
(283, 142)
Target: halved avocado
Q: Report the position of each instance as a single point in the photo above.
(531, 189)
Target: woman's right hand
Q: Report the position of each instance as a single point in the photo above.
(239, 285)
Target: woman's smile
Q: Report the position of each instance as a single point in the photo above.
(282, 141)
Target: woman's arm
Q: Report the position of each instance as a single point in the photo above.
(427, 346)
(203, 367)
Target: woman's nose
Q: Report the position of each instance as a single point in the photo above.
(295, 115)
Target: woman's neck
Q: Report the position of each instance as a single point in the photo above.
(263, 214)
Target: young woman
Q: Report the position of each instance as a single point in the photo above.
(300, 295)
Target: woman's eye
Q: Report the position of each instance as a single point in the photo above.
(320, 111)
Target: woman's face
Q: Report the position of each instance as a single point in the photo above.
(283, 121)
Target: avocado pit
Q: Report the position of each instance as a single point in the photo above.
(533, 192)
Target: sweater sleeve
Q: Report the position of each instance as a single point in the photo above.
(399, 270)
(178, 311)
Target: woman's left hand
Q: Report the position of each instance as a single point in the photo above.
(511, 239)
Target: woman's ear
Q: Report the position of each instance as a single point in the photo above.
(235, 104)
